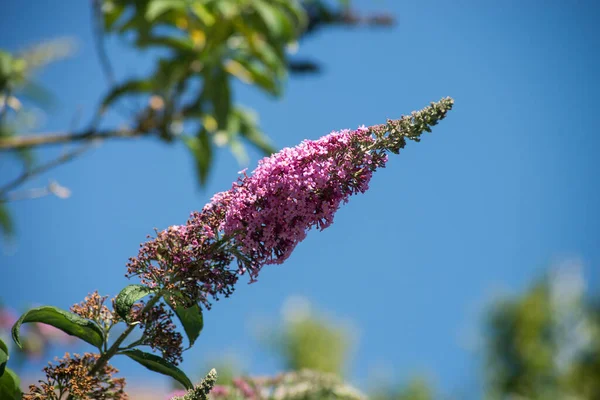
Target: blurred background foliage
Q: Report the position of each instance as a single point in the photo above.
(542, 343)
(199, 48)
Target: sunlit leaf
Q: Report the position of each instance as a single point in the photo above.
(158, 7)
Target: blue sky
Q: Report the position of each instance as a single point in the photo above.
(501, 189)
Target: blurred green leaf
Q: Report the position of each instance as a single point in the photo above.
(134, 86)
(277, 24)
(3, 357)
(3, 345)
(67, 322)
(112, 12)
(158, 364)
(201, 148)
(220, 95)
(6, 223)
(250, 131)
(156, 8)
(201, 11)
(10, 386)
(254, 73)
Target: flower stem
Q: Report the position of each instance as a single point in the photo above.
(104, 358)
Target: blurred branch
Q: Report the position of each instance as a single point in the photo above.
(28, 174)
(51, 138)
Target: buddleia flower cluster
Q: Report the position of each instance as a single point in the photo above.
(69, 378)
(264, 215)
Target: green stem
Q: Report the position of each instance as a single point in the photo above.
(104, 358)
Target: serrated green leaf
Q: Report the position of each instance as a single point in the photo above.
(160, 365)
(191, 319)
(10, 386)
(201, 149)
(128, 297)
(134, 86)
(67, 322)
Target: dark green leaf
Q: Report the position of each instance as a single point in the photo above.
(67, 322)
(134, 86)
(201, 149)
(3, 346)
(221, 98)
(128, 297)
(160, 365)
(9, 386)
(5, 220)
(3, 357)
(192, 320)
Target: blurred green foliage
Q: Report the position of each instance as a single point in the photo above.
(309, 342)
(544, 343)
(199, 48)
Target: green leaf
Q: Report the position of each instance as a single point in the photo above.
(3, 357)
(67, 322)
(277, 24)
(5, 220)
(250, 131)
(238, 150)
(201, 149)
(128, 297)
(3, 346)
(160, 365)
(191, 318)
(134, 86)
(112, 14)
(221, 99)
(259, 75)
(10, 386)
(158, 7)
(203, 14)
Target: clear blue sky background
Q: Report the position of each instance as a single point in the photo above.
(501, 189)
